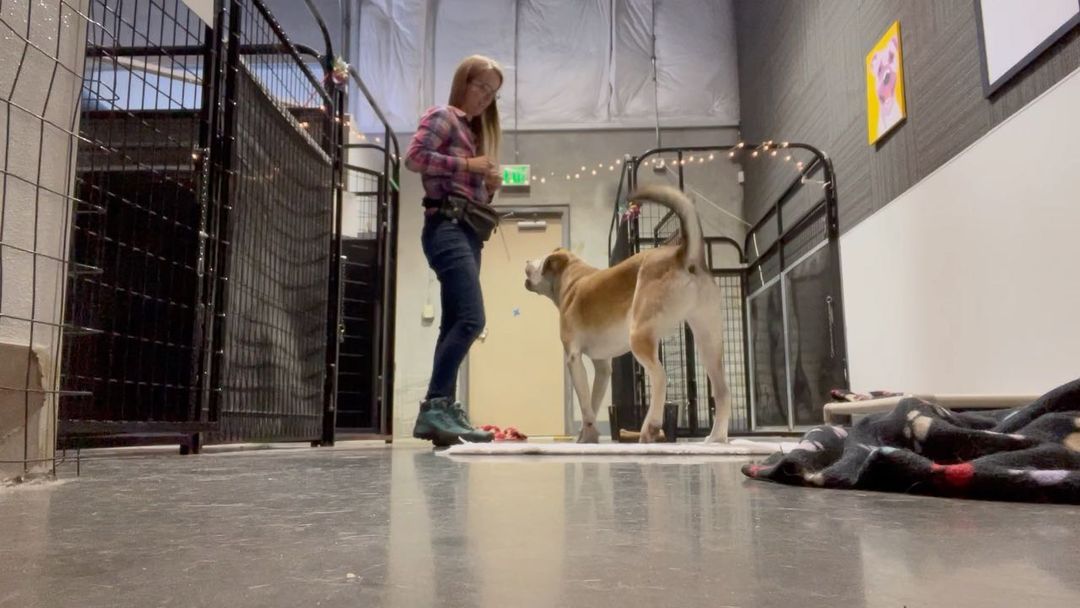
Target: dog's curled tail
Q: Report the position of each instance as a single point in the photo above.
(692, 245)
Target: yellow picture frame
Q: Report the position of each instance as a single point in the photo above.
(886, 108)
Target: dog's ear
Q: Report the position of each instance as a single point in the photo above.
(554, 263)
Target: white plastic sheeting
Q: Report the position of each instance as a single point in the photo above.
(563, 62)
(696, 69)
(459, 33)
(579, 63)
(392, 39)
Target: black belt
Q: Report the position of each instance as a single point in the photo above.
(481, 219)
(451, 206)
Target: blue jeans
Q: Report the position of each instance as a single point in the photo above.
(453, 252)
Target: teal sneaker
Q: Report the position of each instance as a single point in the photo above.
(457, 412)
(437, 423)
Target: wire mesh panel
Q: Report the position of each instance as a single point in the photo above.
(203, 228)
(656, 226)
(362, 189)
(625, 411)
(41, 59)
(783, 296)
(275, 238)
(138, 183)
(732, 284)
(688, 385)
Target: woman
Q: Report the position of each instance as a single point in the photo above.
(456, 150)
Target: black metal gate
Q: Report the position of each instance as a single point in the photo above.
(356, 385)
(784, 277)
(203, 297)
(365, 395)
(273, 236)
(795, 305)
(135, 315)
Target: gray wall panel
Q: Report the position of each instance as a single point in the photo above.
(801, 77)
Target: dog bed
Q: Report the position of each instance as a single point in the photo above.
(1030, 453)
(841, 411)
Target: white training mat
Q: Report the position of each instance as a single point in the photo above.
(506, 448)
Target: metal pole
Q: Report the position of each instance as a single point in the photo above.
(656, 81)
(517, 23)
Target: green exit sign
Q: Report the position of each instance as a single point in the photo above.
(515, 175)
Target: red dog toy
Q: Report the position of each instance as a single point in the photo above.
(508, 434)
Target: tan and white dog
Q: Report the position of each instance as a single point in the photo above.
(632, 306)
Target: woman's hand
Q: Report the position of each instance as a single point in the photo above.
(479, 164)
(493, 180)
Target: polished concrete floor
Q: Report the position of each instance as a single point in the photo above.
(374, 526)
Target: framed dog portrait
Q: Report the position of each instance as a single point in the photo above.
(885, 107)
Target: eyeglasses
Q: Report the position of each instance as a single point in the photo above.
(485, 88)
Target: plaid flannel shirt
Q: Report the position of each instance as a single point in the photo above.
(438, 152)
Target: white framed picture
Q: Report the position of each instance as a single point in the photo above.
(1012, 33)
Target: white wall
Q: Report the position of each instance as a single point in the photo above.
(590, 200)
(203, 8)
(970, 281)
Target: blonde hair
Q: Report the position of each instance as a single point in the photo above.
(485, 127)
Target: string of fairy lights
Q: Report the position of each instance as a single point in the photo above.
(767, 149)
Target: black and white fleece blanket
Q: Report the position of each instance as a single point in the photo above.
(1022, 454)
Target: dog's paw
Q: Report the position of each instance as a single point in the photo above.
(588, 434)
(716, 439)
(649, 433)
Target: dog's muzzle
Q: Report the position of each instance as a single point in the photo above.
(532, 268)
